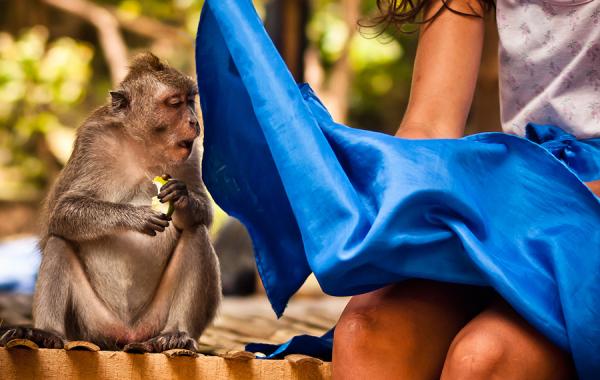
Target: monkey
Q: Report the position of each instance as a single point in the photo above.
(114, 271)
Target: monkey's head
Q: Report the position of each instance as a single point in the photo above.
(156, 105)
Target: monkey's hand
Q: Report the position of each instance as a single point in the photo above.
(189, 209)
(150, 221)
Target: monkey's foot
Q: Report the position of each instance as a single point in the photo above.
(42, 338)
(164, 342)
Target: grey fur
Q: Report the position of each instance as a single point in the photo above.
(104, 278)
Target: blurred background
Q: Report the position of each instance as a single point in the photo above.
(59, 58)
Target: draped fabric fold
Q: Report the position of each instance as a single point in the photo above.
(362, 209)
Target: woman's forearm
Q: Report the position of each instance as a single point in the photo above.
(445, 73)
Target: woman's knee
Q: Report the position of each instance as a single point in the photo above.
(475, 355)
(356, 326)
(402, 315)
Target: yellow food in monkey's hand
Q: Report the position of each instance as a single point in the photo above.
(166, 208)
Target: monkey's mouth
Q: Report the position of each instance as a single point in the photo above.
(186, 144)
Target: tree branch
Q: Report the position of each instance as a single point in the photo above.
(153, 29)
(111, 40)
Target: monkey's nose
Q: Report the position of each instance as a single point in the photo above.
(195, 125)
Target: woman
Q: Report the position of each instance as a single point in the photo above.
(550, 64)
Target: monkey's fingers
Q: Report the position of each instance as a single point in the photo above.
(169, 341)
(151, 229)
(155, 225)
(177, 340)
(148, 231)
(42, 338)
(160, 219)
(157, 228)
(172, 185)
(174, 196)
(9, 335)
(166, 177)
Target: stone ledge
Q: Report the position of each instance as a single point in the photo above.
(20, 363)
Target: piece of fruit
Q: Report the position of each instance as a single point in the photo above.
(166, 208)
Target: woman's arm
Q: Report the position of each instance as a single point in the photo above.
(445, 72)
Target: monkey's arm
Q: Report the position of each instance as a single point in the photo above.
(79, 218)
(201, 207)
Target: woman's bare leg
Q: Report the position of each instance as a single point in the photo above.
(500, 344)
(402, 331)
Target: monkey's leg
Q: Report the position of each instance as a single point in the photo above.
(52, 289)
(189, 291)
(65, 303)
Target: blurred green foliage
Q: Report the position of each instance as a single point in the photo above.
(381, 63)
(181, 13)
(52, 76)
(39, 81)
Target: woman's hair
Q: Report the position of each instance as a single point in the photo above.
(402, 12)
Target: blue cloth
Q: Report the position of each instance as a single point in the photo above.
(19, 263)
(319, 347)
(362, 209)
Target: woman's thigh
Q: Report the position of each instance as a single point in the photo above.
(500, 344)
(402, 331)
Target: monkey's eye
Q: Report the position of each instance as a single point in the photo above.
(174, 101)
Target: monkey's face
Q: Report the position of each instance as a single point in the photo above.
(164, 120)
(157, 105)
(176, 124)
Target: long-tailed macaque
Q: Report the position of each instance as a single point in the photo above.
(114, 271)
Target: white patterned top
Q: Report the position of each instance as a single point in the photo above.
(550, 64)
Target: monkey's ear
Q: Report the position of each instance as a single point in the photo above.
(119, 100)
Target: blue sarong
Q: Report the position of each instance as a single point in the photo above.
(363, 210)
